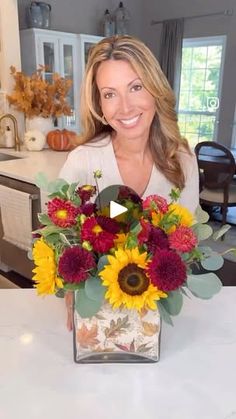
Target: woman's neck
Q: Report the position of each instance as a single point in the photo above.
(126, 148)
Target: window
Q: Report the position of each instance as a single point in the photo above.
(200, 85)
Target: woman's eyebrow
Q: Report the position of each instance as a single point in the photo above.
(113, 88)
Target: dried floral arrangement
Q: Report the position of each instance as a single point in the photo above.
(35, 96)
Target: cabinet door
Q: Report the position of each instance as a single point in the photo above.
(68, 69)
(48, 55)
(85, 42)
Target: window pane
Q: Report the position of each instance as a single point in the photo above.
(199, 88)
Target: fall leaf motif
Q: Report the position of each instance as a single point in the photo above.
(143, 312)
(130, 348)
(100, 317)
(117, 327)
(87, 337)
(144, 348)
(149, 329)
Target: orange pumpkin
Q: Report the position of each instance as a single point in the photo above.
(61, 140)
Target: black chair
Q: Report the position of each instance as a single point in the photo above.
(216, 171)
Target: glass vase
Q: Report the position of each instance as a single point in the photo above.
(117, 335)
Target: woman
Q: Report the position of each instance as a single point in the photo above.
(130, 129)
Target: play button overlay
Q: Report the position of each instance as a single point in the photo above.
(119, 202)
(116, 209)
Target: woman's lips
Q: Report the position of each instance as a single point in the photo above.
(130, 122)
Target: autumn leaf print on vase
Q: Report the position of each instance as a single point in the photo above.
(117, 335)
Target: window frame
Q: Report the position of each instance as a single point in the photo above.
(199, 42)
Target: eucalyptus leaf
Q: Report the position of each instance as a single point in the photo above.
(201, 215)
(44, 219)
(64, 239)
(41, 181)
(84, 306)
(173, 303)
(203, 231)
(94, 289)
(206, 250)
(213, 262)
(56, 185)
(163, 313)
(73, 287)
(103, 260)
(219, 233)
(204, 285)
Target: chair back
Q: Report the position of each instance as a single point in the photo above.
(216, 165)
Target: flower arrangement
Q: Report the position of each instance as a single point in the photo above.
(35, 96)
(141, 260)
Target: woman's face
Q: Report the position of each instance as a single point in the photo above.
(127, 106)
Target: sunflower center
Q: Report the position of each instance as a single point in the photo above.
(62, 214)
(132, 280)
(97, 229)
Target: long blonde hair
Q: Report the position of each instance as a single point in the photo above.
(164, 137)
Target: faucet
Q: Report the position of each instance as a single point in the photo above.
(15, 133)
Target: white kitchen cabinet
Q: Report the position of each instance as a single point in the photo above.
(61, 52)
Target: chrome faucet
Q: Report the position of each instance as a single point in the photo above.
(15, 133)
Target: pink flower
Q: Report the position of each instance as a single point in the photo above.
(183, 239)
(155, 202)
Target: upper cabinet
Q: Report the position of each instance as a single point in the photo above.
(60, 52)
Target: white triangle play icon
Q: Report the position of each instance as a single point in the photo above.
(116, 209)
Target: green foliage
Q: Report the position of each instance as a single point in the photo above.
(85, 306)
(173, 303)
(205, 285)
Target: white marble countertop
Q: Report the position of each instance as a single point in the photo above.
(30, 163)
(194, 379)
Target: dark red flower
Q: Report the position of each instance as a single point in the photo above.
(75, 264)
(98, 237)
(108, 224)
(166, 270)
(157, 240)
(62, 213)
(85, 192)
(88, 209)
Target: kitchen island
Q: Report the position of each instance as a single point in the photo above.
(27, 164)
(195, 377)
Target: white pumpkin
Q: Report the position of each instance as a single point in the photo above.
(34, 140)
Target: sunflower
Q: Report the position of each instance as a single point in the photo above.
(127, 282)
(45, 277)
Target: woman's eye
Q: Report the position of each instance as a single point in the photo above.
(108, 95)
(136, 87)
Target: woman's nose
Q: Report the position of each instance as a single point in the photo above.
(125, 103)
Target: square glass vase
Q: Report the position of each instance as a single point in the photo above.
(117, 336)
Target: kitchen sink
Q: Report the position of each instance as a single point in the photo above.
(6, 157)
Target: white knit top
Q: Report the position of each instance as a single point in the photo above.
(85, 159)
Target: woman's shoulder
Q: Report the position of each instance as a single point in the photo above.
(187, 160)
(98, 143)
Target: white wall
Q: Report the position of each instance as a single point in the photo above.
(9, 52)
(83, 16)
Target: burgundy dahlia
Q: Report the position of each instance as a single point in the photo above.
(85, 192)
(166, 270)
(75, 264)
(157, 240)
